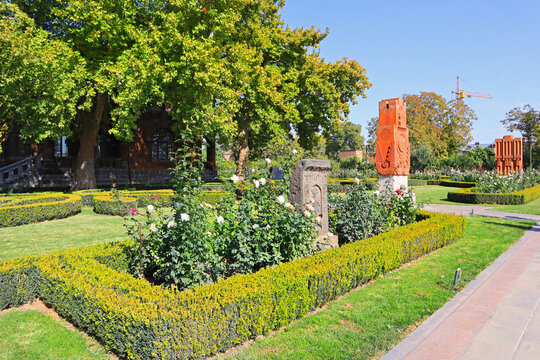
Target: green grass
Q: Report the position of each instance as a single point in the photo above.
(80, 230)
(532, 208)
(32, 335)
(436, 194)
(365, 324)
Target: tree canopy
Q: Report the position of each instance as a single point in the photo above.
(526, 120)
(226, 67)
(346, 137)
(441, 126)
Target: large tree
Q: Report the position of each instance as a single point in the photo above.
(127, 55)
(282, 83)
(526, 120)
(440, 125)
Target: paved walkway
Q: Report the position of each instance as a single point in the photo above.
(497, 316)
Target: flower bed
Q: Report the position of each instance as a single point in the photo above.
(138, 320)
(516, 198)
(28, 209)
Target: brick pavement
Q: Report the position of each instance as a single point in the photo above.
(497, 316)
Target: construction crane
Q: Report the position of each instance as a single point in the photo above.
(460, 94)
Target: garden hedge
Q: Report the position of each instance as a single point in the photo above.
(138, 320)
(110, 205)
(452, 183)
(516, 198)
(29, 209)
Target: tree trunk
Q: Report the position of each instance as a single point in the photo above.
(85, 177)
(243, 153)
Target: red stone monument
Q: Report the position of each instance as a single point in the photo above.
(393, 151)
(508, 154)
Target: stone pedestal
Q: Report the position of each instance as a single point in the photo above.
(309, 184)
(393, 182)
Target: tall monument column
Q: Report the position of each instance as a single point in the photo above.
(393, 151)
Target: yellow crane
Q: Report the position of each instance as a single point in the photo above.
(460, 94)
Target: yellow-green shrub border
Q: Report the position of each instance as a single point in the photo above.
(15, 215)
(139, 320)
(516, 198)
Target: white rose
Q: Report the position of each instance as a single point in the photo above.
(235, 178)
(268, 161)
(153, 227)
(257, 183)
(208, 233)
(376, 193)
(171, 224)
(262, 181)
(220, 219)
(294, 151)
(184, 217)
(255, 226)
(150, 208)
(356, 181)
(281, 199)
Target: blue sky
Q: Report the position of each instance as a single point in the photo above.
(412, 46)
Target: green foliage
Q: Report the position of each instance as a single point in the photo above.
(526, 120)
(440, 125)
(361, 214)
(29, 209)
(352, 162)
(40, 78)
(472, 197)
(138, 320)
(250, 228)
(422, 159)
(111, 205)
(478, 158)
(346, 137)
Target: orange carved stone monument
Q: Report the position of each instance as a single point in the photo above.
(508, 154)
(393, 151)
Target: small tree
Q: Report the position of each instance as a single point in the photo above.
(526, 120)
(346, 137)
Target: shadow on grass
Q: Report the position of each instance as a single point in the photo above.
(517, 226)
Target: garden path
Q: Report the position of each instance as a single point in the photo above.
(497, 316)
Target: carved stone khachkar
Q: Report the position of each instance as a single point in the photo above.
(309, 183)
(508, 154)
(393, 151)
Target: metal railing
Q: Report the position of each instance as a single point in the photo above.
(12, 172)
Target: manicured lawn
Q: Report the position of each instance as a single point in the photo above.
(32, 335)
(532, 208)
(433, 194)
(80, 230)
(365, 324)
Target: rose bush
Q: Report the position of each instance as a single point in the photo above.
(252, 227)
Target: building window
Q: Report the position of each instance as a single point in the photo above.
(60, 147)
(162, 145)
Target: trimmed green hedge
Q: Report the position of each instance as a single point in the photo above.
(109, 205)
(39, 208)
(139, 320)
(515, 198)
(452, 183)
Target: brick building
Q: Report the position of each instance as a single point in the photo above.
(144, 160)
